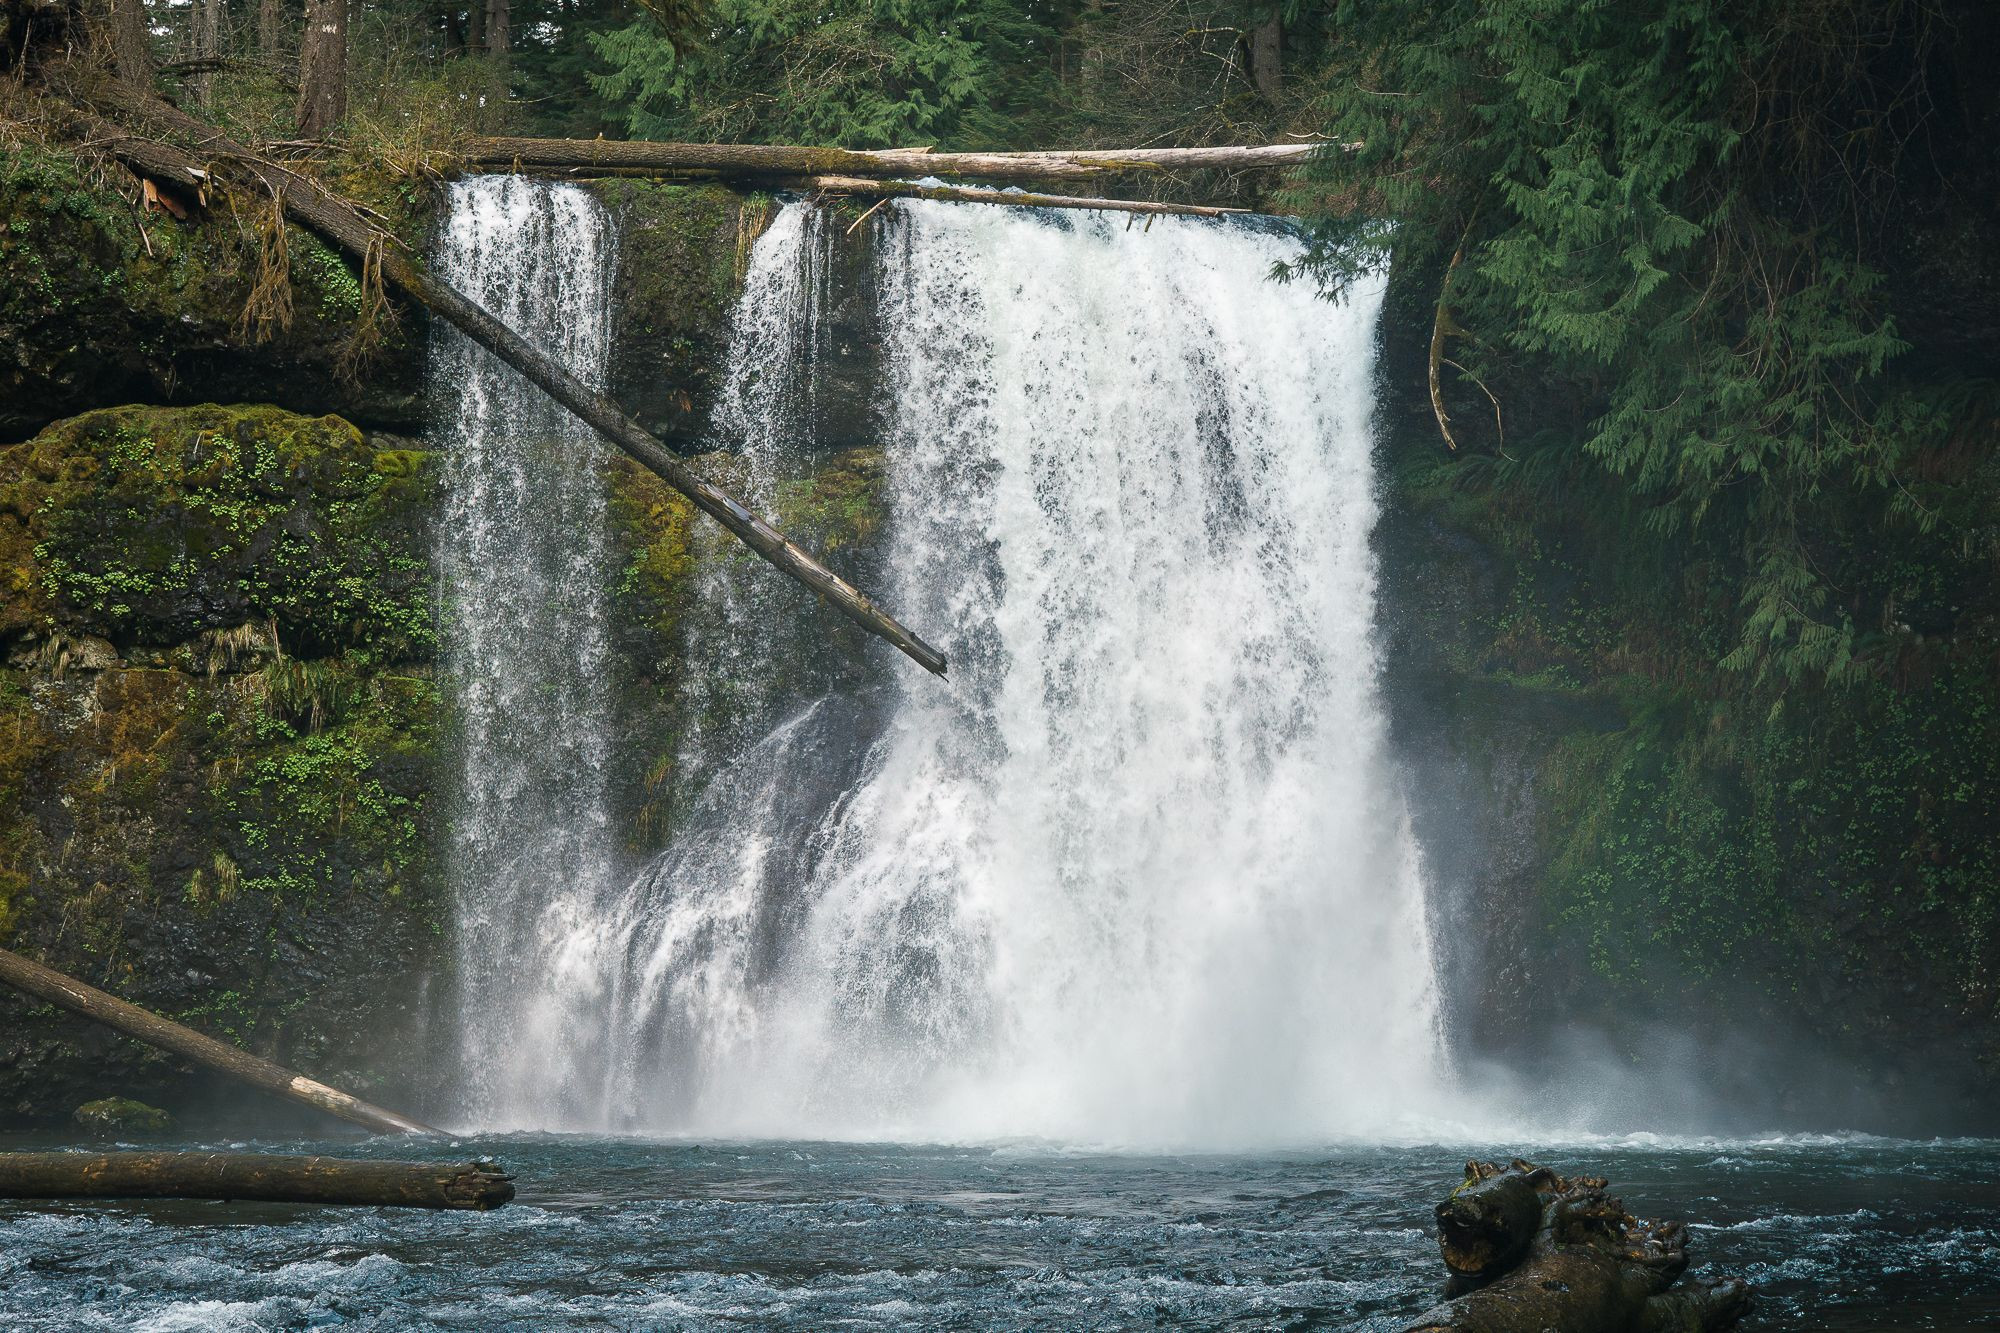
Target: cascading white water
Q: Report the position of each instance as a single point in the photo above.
(1138, 871)
(522, 564)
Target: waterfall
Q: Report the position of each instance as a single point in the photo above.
(522, 561)
(1139, 870)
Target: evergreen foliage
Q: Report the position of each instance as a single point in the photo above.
(1671, 216)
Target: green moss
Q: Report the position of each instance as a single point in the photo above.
(839, 505)
(150, 525)
(114, 1116)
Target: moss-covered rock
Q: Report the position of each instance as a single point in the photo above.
(715, 643)
(217, 743)
(681, 256)
(149, 526)
(108, 303)
(121, 1117)
(1620, 827)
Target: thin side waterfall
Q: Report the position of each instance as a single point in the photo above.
(1139, 870)
(522, 564)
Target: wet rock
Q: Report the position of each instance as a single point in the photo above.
(121, 1118)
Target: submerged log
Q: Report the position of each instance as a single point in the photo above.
(973, 194)
(739, 161)
(45, 983)
(1531, 1252)
(260, 1177)
(311, 205)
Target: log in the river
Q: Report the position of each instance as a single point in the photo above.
(735, 161)
(1531, 1252)
(973, 194)
(45, 983)
(318, 209)
(245, 1176)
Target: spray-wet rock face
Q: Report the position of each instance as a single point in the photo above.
(217, 731)
(1116, 875)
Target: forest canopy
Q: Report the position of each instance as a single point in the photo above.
(1710, 273)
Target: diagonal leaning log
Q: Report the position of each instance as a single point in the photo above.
(318, 209)
(45, 983)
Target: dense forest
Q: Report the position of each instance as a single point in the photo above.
(1689, 432)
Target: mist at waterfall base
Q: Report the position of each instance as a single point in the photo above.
(1139, 873)
(1139, 876)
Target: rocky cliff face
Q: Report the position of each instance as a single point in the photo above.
(1681, 893)
(218, 719)
(217, 723)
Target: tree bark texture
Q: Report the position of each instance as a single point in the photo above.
(498, 34)
(312, 206)
(131, 43)
(206, 47)
(45, 983)
(261, 1177)
(1531, 1252)
(764, 161)
(973, 194)
(1267, 68)
(270, 31)
(323, 68)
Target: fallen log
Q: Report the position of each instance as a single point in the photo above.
(318, 209)
(45, 983)
(973, 194)
(259, 1177)
(1531, 1252)
(738, 161)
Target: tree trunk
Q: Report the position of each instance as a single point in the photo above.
(765, 161)
(270, 32)
(970, 194)
(131, 44)
(1267, 67)
(206, 47)
(475, 22)
(323, 68)
(261, 1177)
(497, 34)
(45, 983)
(1530, 1252)
(312, 206)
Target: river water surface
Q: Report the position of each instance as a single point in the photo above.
(1835, 1233)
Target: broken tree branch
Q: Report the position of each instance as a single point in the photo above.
(45, 983)
(762, 161)
(261, 1177)
(318, 209)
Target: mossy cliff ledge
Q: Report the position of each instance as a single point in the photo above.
(105, 303)
(217, 741)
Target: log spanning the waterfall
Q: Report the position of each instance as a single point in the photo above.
(261, 1177)
(318, 209)
(973, 194)
(753, 162)
(1531, 1252)
(45, 983)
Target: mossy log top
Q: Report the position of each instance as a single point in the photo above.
(1530, 1251)
(259, 1177)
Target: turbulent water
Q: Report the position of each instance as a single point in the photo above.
(1835, 1234)
(1138, 871)
(523, 567)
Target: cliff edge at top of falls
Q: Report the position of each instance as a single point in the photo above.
(110, 303)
